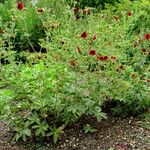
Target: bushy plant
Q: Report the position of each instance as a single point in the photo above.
(139, 9)
(28, 24)
(106, 47)
(88, 61)
(40, 100)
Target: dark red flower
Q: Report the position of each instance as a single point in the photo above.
(113, 57)
(147, 36)
(129, 13)
(102, 58)
(84, 35)
(94, 37)
(92, 52)
(20, 6)
(116, 18)
(40, 10)
(143, 50)
(78, 49)
(105, 57)
(75, 10)
(73, 63)
(148, 81)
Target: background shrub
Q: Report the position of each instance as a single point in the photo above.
(94, 3)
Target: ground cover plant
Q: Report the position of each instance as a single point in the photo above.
(60, 63)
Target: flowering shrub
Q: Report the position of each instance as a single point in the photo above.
(87, 62)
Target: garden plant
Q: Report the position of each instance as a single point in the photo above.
(61, 61)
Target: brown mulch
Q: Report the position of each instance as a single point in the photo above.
(115, 132)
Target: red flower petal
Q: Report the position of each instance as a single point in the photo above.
(129, 13)
(84, 35)
(20, 6)
(148, 81)
(105, 57)
(92, 52)
(102, 58)
(147, 36)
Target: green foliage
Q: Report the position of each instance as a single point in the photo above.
(56, 132)
(93, 3)
(88, 129)
(23, 132)
(140, 13)
(41, 99)
(87, 61)
(146, 120)
(27, 23)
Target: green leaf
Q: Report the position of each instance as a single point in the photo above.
(88, 129)
(56, 132)
(27, 132)
(55, 137)
(17, 137)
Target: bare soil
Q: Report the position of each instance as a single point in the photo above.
(115, 132)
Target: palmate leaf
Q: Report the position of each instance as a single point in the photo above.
(23, 134)
(56, 132)
(96, 111)
(41, 128)
(33, 119)
(88, 129)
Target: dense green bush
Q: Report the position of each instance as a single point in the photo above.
(40, 100)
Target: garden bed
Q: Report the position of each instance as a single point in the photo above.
(115, 132)
(64, 66)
